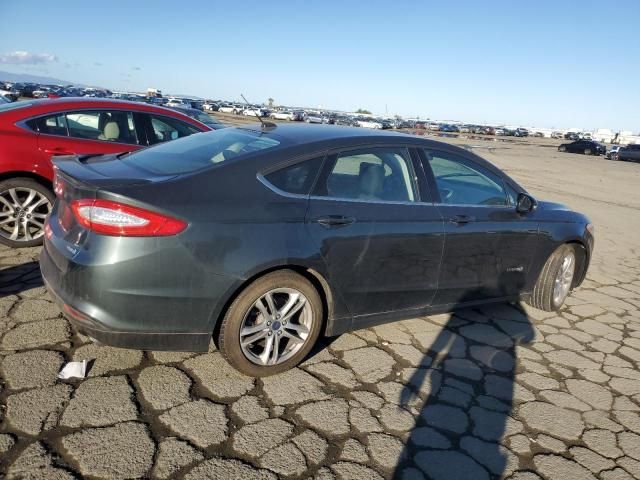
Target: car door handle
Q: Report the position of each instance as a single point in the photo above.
(461, 219)
(331, 221)
(58, 151)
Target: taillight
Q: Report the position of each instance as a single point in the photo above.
(112, 218)
(58, 186)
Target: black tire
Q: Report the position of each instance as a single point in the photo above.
(587, 151)
(542, 296)
(562, 148)
(229, 336)
(22, 183)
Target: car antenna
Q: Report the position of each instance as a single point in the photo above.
(264, 124)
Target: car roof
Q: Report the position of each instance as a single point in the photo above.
(306, 139)
(310, 133)
(321, 137)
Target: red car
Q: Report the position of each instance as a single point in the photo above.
(32, 131)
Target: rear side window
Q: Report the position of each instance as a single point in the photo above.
(51, 125)
(371, 174)
(297, 179)
(109, 126)
(203, 150)
(104, 125)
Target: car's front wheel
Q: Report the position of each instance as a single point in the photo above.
(24, 206)
(555, 280)
(588, 151)
(562, 148)
(272, 325)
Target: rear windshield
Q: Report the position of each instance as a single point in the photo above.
(199, 151)
(15, 105)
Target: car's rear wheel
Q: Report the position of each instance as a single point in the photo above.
(562, 148)
(24, 206)
(587, 151)
(272, 325)
(555, 280)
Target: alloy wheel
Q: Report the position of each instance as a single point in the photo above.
(22, 214)
(564, 277)
(276, 326)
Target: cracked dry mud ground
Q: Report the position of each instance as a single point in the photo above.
(502, 391)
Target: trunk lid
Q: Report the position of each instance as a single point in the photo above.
(104, 170)
(88, 177)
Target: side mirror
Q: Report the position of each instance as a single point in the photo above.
(525, 203)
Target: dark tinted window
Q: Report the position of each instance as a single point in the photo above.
(200, 151)
(373, 174)
(296, 178)
(463, 182)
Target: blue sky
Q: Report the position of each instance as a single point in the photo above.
(543, 63)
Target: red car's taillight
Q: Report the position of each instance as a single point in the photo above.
(58, 186)
(112, 218)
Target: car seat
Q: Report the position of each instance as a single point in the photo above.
(371, 181)
(111, 132)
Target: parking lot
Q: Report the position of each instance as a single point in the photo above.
(493, 392)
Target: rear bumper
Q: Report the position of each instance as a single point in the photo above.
(134, 302)
(102, 333)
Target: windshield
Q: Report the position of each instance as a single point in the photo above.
(199, 151)
(204, 118)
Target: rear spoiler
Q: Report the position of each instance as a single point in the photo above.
(102, 170)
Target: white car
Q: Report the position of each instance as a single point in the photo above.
(283, 115)
(10, 96)
(232, 109)
(227, 109)
(253, 112)
(176, 102)
(210, 107)
(369, 124)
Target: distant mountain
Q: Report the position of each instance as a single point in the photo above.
(26, 77)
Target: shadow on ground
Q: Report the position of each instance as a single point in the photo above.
(465, 397)
(19, 278)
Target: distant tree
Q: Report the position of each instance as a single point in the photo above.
(270, 100)
(363, 111)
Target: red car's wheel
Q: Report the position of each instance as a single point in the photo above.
(24, 206)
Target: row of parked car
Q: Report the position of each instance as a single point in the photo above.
(194, 107)
(587, 146)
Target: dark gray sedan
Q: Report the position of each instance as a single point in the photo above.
(265, 238)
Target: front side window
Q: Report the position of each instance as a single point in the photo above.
(164, 129)
(462, 182)
(298, 178)
(512, 194)
(109, 126)
(373, 174)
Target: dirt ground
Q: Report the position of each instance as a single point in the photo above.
(497, 392)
